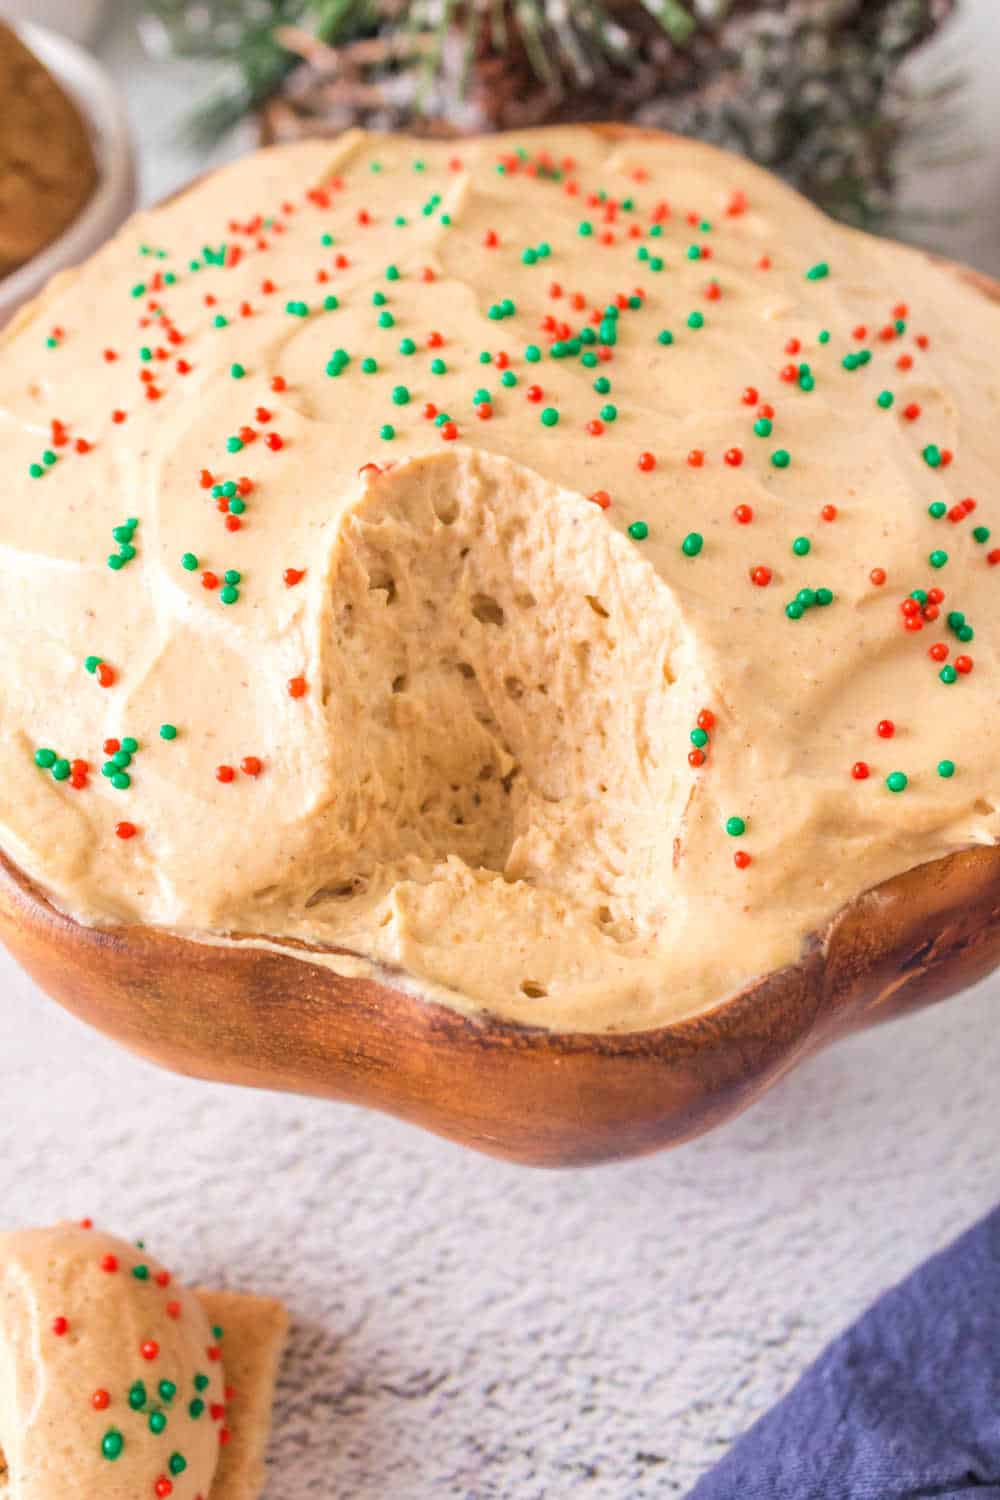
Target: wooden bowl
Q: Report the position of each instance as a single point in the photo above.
(243, 1015)
(240, 1014)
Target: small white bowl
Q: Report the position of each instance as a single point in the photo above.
(113, 198)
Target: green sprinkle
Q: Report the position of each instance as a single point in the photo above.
(508, 378)
(139, 289)
(237, 507)
(49, 458)
(529, 257)
(201, 1382)
(602, 385)
(549, 417)
(638, 531)
(692, 544)
(326, 239)
(693, 252)
(795, 610)
(823, 337)
(407, 346)
(806, 597)
(937, 558)
(386, 320)
(137, 1396)
(130, 744)
(46, 759)
(932, 456)
(387, 432)
(802, 546)
(115, 562)
(609, 413)
(948, 675)
(121, 781)
(937, 509)
(896, 781)
(980, 533)
(696, 320)
(177, 1463)
(122, 533)
(884, 399)
(237, 371)
(36, 471)
(699, 738)
(533, 354)
(781, 458)
(588, 360)
(664, 336)
(141, 1273)
(234, 444)
(736, 827)
(330, 303)
(584, 227)
(965, 632)
(392, 273)
(763, 427)
(369, 365)
(189, 562)
(168, 731)
(61, 769)
(379, 299)
(946, 768)
(824, 596)
(219, 321)
(196, 1408)
(485, 357)
(438, 367)
(167, 1390)
(229, 594)
(297, 309)
(112, 1444)
(817, 272)
(92, 663)
(157, 1422)
(400, 395)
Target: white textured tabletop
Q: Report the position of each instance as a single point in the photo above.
(464, 1328)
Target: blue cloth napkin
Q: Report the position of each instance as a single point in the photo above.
(903, 1406)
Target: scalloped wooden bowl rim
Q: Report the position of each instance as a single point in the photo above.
(235, 1012)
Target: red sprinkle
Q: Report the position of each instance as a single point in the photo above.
(250, 765)
(741, 859)
(224, 773)
(743, 514)
(60, 1326)
(696, 757)
(109, 1263)
(706, 719)
(646, 462)
(297, 687)
(939, 651)
(100, 1400)
(126, 830)
(105, 674)
(173, 1309)
(885, 729)
(761, 576)
(963, 664)
(859, 770)
(733, 457)
(278, 383)
(696, 458)
(750, 396)
(829, 513)
(292, 576)
(878, 576)
(274, 441)
(601, 498)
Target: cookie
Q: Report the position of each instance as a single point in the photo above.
(47, 166)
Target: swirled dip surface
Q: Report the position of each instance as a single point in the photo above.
(367, 393)
(108, 1382)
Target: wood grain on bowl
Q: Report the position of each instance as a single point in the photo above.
(270, 1020)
